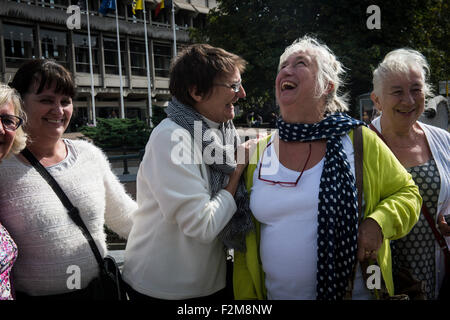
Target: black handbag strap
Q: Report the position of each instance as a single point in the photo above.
(358, 154)
(439, 238)
(71, 209)
(358, 146)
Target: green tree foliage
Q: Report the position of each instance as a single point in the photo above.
(118, 133)
(259, 30)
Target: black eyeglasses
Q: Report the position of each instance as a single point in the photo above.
(236, 87)
(282, 183)
(10, 122)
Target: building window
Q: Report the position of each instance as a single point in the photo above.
(29, 2)
(162, 55)
(93, 5)
(81, 43)
(111, 59)
(19, 44)
(199, 22)
(183, 19)
(137, 56)
(132, 113)
(54, 45)
(60, 4)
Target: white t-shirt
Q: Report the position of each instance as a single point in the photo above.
(288, 217)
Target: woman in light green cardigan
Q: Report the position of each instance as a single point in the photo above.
(307, 238)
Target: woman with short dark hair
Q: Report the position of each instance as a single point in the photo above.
(51, 244)
(188, 185)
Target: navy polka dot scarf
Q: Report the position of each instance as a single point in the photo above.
(338, 210)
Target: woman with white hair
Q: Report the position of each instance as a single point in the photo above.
(400, 88)
(303, 195)
(12, 141)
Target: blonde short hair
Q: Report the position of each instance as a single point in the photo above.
(402, 61)
(330, 70)
(7, 94)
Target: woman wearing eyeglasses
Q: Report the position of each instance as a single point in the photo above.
(192, 202)
(303, 194)
(56, 260)
(12, 140)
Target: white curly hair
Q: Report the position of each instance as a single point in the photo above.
(330, 70)
(402, 61)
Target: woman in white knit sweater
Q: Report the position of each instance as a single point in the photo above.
(55, 259)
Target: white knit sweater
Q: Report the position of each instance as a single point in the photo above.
(49, 241)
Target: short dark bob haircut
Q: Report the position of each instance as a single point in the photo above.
(43, 72)
(199, 65)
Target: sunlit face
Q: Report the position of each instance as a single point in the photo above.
(48, 113)
(219, 105)
(6, 137)
(402, 100)
(296, 83)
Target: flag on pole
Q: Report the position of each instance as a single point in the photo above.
(163, 4)
(107, 5)
(137, 5)
(159, 7)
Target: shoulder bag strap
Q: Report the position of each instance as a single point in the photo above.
(439, 238)
(371, 126)
(358, 147)
(358, 154)
(71, 209)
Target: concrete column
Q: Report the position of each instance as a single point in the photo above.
(37, 42)
(71, 57)
(128, 62)
(148, 10)
(101, 59)
(2, 54)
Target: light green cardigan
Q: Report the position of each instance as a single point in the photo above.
(391, 198)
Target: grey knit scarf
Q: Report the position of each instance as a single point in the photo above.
(221, 165)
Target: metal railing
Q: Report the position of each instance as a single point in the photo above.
(125, 157)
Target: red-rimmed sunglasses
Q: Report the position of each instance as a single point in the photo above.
(282, 183)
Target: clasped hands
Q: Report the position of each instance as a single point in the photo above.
(245, 151)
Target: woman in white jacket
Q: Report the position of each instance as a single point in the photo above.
(189, 186)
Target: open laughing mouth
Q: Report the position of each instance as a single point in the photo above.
(287, 85)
